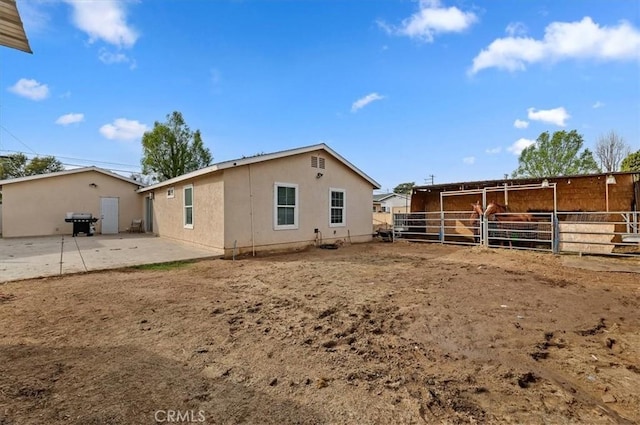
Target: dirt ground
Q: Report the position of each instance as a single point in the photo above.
(365, 334)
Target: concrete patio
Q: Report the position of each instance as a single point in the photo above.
(23, 258)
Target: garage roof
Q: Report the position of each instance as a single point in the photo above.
(67, 172)
(11, 30)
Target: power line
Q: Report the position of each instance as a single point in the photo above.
(137, 167)
(111, 169)
(16, 137)
(77, 159)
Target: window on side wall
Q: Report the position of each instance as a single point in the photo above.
(337, 207)
(285, 214)
(188, 206)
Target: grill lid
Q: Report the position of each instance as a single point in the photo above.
(77, 216)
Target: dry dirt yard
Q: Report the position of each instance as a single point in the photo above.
(369, 334)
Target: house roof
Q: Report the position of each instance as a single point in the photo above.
(262, 158)
(68, 172)
(379, 197)
(480, 184)
(11, 30)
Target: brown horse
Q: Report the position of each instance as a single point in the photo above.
(495, 208)
(508, 222)
(474, 220)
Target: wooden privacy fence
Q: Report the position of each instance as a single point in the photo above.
(611, 233)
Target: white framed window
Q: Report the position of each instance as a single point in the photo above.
(187, 192)
(285, 206)
(337, 207)
(171, 193)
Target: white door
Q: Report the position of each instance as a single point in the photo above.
(109, 215)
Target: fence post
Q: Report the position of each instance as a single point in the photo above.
(556, 233)
(484, 223)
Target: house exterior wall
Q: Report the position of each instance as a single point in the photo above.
(38, 207)
(250, 188)
(395, 203)
(208, 211)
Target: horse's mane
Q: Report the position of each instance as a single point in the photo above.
(498, 206)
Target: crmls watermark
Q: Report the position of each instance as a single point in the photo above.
(179, 416)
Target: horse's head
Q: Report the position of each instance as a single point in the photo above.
(492, 208)
(495, 208)
(476, 211)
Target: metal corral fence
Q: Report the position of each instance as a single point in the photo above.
(613, 233)
(455, 227)
(522, 231)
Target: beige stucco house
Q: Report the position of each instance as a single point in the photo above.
(38, 205)
(270, 202)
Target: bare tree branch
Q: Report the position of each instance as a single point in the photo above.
(610, 150)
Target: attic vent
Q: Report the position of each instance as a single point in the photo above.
(317, 162)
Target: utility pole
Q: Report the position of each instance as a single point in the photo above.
(431, 177)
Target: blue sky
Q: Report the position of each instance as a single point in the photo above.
(403, 89)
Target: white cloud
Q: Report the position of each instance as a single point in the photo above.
(469, 160)
(597, 105)
(562, 40)
(70, 119)
(123, 129)
(516, 29)
(31, 89)
(493, 151)
(521, 124)
(104, 20)
(431, 19)
(519, 145)
(364, 101)
(557, 116)
(109, 58)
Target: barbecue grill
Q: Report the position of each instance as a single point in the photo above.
(82, 223)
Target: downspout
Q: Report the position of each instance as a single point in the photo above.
(253, 242)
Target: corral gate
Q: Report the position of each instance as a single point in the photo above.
(459, 227)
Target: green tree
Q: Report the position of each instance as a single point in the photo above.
(610, 150)
(18, 165)
(631, 162)
(557, 155)
(404, 188)
(172, 149)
